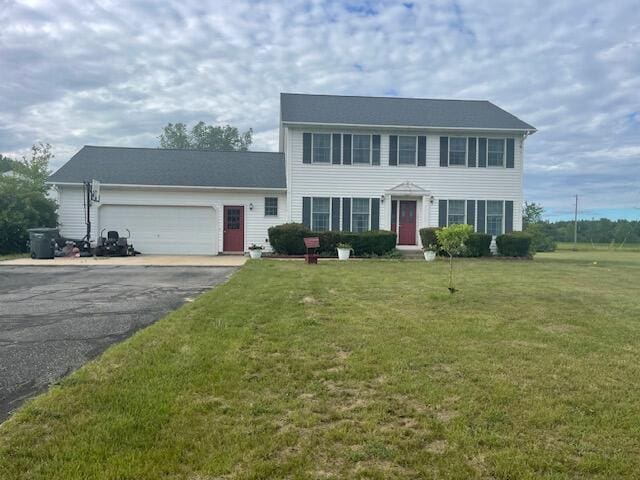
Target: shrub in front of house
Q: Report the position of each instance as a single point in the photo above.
(429, 237)
(478, 245)
(516, 244)
(288, 238)
(374, 242)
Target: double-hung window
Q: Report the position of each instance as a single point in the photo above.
(362, 149)
(407, 149)
(495, 152)
(458, 151)
(320, 214)
(455, 212)
(360, 215)
(271, 206)
(321, 148)
(495, 217)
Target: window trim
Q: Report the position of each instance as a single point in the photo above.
(330, 219)
(370, 135)
(369, 213)
(415, 159)
(464, 203)
(265, 207)
(313, 157)
(486, 217)
(466, 153)
(504, 153)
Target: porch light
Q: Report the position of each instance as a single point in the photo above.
(251, 206)
(431, 199)
(381, 198)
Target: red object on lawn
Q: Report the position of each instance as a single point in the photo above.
(311, 243)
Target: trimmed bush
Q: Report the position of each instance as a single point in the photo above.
(374, 242)
(516, 244)
(429, 237)
(288, 239)
(478, 245)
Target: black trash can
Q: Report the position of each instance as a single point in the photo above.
(42, 241)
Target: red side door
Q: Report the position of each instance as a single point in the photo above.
(407, 223)
(233, 236)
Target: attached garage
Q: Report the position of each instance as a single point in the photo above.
(164, 229)
(186, 202)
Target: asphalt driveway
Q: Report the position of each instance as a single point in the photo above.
(54, 319)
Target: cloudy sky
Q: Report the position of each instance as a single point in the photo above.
(109, 73)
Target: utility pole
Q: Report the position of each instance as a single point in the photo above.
(575, 226)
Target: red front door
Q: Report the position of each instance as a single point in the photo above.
(407, 223)
(233, 237)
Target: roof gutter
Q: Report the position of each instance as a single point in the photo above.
(528, 131)
(179, 187)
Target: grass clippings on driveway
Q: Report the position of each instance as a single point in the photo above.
(362, 369)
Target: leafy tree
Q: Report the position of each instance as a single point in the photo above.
(531, 213)
(23, 199)
(205, 137)
(452, 240)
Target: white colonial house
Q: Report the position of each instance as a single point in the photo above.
(345, 163)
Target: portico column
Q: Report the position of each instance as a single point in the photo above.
(387, 211)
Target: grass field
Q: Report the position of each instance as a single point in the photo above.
(361, 369)
(605, 247)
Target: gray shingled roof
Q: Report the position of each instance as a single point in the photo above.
(394, 111)
(155, 166)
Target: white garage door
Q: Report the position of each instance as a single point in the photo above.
(166, 230)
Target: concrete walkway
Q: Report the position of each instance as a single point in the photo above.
(144, 260)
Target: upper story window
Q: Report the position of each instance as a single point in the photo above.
(495, 216)
(360, 214)
(407, 150)
(271, 206)
(321, 148)
(320, 214)
(495, 152)
(455, 212)
(457, 151)
(362, 149)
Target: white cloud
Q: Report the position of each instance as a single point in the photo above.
(112, 73)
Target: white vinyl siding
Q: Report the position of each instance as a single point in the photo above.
(360, 214)
(457, 151)
(495, 152)
(495, 217)
(456, 212)
(321, 148)
(361, 145)
(71, 210)
(407, 150)
(320, 214)
(369, 181)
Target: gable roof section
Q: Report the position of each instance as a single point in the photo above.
(397, 112)
(184, 168)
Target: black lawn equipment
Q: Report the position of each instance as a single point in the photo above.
(113, 245)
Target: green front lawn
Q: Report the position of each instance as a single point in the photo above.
(361, 369)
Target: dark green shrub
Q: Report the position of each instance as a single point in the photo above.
(329, 242)
(288, 239)
(374, 242)
(516, 244)
(540, 241)
(429, 237)
(478, 245)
